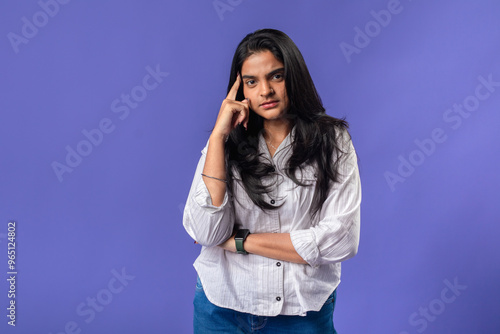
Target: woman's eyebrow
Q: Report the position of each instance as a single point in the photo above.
(281, 69)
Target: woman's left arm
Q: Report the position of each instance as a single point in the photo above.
(277, 246)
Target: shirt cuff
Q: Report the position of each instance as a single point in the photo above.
(204, 200)
(305, 245)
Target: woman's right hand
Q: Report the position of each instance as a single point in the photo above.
(231, 112)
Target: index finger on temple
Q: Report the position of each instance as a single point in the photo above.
(234, 90)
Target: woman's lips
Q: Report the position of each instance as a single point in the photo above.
(269, 105)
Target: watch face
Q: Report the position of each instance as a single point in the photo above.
(241, 234)
(239, 238)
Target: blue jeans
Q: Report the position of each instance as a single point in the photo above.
(209, 318)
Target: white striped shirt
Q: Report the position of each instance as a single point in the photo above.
(263, 286)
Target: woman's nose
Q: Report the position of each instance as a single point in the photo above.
(266, 89)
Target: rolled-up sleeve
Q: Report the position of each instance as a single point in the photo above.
(335, 237)
(207, 224)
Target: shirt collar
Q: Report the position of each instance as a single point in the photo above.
(284, 146)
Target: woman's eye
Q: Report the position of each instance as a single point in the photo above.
(278, 76)
(250, 82)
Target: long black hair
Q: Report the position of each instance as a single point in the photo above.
(317, 135)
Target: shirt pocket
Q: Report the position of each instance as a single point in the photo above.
(307, 175)
(302, 195)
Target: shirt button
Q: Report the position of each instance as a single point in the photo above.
(278, 264)
(273, 201)
(278, 298)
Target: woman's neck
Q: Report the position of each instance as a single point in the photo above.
(276, 130)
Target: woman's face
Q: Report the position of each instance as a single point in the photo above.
(264, 85)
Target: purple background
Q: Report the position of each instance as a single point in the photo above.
(121, 207)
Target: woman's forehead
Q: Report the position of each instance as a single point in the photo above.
(260, 63)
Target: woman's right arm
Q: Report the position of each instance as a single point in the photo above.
(208, 217)
(206, 223)
(231, 114)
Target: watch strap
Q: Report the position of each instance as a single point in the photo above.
(239, 239)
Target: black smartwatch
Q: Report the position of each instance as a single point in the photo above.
(239, 238)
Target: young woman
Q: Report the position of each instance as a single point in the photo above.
(275, 200)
